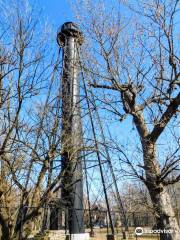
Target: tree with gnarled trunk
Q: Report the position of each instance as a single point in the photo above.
(132, 62)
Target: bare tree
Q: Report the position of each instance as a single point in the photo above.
(30, 119)
(133, 60)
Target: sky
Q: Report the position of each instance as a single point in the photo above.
(59, 11)
(56, 11)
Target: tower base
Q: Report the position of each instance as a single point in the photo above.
(78, 236)
(110, 237)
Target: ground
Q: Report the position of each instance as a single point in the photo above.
(100, 234)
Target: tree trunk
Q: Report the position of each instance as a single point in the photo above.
(164, 213)
(5, 232)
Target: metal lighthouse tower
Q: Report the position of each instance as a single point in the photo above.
(69, 39)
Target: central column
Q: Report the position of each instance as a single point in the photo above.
(70, 39)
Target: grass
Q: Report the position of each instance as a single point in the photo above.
(100, 234)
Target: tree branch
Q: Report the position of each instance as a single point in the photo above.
(104, 86)
(166, 117)
(171, 181)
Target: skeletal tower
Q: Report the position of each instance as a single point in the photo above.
(70, 38)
